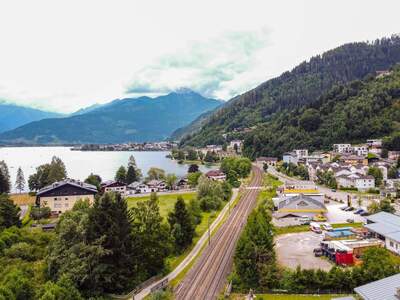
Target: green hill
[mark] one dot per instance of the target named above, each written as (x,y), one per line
(347,113)
(295,89)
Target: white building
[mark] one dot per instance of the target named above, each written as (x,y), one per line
(386,227)
(301,153)
(359,181)
(360,150)
(290,157)
(342,148)
(235,144)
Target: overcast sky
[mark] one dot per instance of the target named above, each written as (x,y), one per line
(65,55)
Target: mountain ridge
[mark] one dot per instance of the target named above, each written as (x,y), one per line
(293,89)
(122,120)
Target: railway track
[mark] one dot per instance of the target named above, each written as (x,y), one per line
(207,277)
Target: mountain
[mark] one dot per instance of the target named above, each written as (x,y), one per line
(13,116)
(349,113)
(295,89)
(86,109)
(141,119)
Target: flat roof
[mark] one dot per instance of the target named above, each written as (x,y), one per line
(384,289)
(384,217)
(382,229)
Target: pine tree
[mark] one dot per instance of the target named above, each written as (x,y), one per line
(181,223)
(110,222)
(5,184)
(151,238)
(121,174)
(9,212)
(131,175)
(20,180)
(254,258)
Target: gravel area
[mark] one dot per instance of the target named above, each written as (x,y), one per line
(295,249)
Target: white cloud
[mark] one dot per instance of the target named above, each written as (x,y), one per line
(62,55)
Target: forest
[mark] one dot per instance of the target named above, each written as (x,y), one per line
(306,85)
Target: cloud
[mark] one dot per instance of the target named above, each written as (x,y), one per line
(204,66)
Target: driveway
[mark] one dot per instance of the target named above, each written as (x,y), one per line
(296,249)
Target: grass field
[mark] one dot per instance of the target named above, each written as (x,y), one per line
(166,202)
(288,297)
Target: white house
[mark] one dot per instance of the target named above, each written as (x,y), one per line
(157,185)
(360,150)
(290,157)
(114,186)
(138,188)
(301,153)
(235,144)
(342,148)
(216,175)
(359,181)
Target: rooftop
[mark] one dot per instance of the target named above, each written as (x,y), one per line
(384,289)
(68,181)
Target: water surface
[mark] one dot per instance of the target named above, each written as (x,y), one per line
(80,164)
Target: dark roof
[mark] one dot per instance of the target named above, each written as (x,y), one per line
(112,183)
(78,184)
(384,289)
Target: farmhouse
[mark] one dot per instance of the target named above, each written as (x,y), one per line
(113,186)
(61,196)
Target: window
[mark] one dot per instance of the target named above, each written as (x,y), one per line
(391,244)
(66,198)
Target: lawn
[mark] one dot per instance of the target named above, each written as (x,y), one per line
(303,228)
(270,183)
(289,297)
(166,202)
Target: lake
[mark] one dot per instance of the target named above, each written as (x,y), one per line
(80,164)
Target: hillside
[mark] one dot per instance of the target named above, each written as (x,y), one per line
(13,116)
(347,113)
(139,120)
(301,86)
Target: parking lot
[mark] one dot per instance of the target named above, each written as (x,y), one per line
(295,249)
(336,215)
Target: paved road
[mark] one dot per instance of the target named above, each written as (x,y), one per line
(195,251)
(208,276)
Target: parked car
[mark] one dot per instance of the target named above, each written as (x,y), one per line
(349,208)
(359,211)
(333,190)
(319,218)
(350,220)
(304,220)
(315,227)
(317,252)
(364,213)
(326,226)
(344,207)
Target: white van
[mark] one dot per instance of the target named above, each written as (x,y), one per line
(315,227)
(327,226)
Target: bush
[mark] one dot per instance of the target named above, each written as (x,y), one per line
(40,212)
